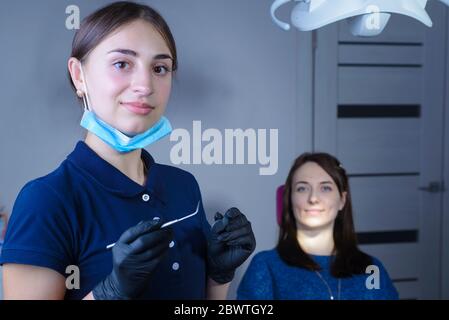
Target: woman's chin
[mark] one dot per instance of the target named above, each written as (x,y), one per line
(315,223)
(133,126)
(133,129)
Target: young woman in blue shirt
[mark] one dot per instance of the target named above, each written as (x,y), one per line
(317,256)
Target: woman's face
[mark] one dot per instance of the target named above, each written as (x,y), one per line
(315,198)
(128,77)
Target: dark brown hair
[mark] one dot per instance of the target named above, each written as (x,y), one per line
(348,259)
(98,25)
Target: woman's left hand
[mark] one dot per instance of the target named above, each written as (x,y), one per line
(231,242)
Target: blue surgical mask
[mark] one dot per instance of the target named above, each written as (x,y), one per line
(120,141)
(115,138)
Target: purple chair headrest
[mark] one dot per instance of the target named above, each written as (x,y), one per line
(279,197)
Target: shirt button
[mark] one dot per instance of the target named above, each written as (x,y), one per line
(145,197)
(172,244)
(175,266)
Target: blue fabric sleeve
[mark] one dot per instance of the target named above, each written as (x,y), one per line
(257,282)
(39,232)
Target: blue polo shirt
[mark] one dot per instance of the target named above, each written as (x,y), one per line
(69,216)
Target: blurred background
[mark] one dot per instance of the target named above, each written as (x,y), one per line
(380,104)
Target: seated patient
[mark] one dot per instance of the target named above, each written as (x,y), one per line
(317,255)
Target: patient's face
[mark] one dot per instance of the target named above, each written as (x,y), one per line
(315,198)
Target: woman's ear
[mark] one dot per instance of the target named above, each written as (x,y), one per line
(74,66)
(343,200)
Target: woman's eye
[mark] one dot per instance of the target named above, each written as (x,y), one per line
(326,188)
(301,189)
(121,65)
(161,70)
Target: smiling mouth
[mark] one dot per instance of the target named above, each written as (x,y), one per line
(138,107)
(314,211)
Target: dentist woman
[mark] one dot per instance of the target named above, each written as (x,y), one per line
(103,211)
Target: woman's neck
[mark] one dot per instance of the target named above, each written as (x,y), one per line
(319,242)
(130,163)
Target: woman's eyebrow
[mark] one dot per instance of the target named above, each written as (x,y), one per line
(133,53)
(305,182)
(162,56)
(124,51)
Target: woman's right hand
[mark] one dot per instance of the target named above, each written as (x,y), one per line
(135,256)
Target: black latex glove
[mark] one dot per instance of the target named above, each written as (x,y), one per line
(231,243)
(134,256)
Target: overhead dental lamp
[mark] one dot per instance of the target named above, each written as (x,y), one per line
(366,18)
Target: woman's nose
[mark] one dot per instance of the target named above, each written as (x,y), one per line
(313,197)
(143,83)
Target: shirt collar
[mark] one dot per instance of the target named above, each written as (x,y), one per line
(113,179)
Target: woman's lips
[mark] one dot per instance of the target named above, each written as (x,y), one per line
(138,107)
(314,211)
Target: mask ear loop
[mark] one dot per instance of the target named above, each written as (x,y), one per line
(85,105)
(86,95)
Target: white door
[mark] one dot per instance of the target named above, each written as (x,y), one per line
(379,107)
